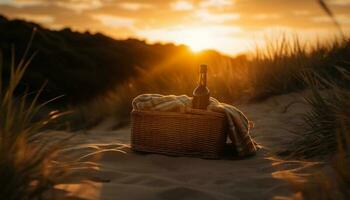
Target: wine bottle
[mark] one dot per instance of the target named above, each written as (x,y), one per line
(201,92)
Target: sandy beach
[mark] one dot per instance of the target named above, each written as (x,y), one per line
(72,71)
(133,175)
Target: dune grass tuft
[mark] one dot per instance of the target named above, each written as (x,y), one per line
(332,180)
(330,105)
(31,162)
(325,132)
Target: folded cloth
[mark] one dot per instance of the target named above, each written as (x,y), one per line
(239,125)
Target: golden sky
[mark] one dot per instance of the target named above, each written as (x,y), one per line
(229,26)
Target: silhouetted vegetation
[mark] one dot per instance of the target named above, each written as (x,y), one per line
(101,76)
(106,73)
(326,124)
(277,70)
(326,131)
(31,162)
(79,65)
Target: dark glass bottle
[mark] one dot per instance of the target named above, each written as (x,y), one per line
(201,93)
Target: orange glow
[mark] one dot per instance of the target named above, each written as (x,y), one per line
(197,40)
(228,26)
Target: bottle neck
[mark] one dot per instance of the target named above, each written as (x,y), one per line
(203,79)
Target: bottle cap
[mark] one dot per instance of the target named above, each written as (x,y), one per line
(203,68)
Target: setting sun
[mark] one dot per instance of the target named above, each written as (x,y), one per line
(197,39)
(174,99)
(200,37)
(227,26)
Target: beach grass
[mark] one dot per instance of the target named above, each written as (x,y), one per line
(331,181)
(277,69)
(32,163)
(325,136)
(329,103)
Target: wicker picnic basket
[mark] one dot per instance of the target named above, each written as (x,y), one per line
(196,133)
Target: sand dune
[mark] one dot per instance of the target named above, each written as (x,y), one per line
(150,176)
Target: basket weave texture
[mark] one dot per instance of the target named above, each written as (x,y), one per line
(196,133)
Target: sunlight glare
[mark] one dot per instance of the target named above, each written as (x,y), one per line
(196,39)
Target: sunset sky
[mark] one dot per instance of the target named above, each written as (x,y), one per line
(229,26)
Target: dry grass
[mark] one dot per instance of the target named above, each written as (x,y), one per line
(326,131)
(332,181)
(329,110)
(31,162)
(264,73)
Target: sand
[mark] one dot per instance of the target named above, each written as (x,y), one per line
(132,175)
